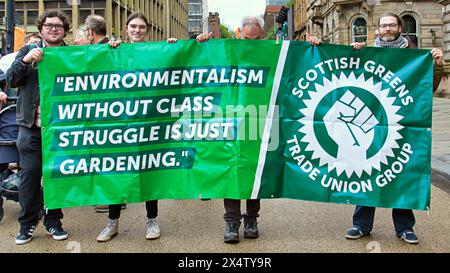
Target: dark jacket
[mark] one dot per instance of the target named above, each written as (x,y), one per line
(104,41)
(25,77)
(437,76)
(438,71)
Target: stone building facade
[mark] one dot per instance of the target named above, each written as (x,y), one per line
(446,31)
(347,21)
(167,18)
(426,22)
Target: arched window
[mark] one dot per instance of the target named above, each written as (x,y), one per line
(359,30)
(410,28)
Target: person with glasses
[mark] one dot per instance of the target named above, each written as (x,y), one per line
(23,74)
(390,27)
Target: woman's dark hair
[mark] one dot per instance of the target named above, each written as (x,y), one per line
(50,14)
(138,15)
(391,14)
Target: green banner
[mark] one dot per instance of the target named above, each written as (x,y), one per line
(236,119)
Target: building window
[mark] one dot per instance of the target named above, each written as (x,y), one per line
(98,4)
(359,30)
(65,4)
(410,29)
(51,5)
(101,12)
(32,16)
(32,5)
(84,13)
(19,18)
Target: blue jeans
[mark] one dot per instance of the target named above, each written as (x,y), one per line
(364,216)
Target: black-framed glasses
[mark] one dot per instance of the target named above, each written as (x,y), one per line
(51,26)
(384,26)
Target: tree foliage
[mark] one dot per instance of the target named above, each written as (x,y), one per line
(226,33)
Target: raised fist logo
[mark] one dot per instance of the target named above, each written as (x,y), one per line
(350,124)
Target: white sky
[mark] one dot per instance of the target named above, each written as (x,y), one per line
(232,11)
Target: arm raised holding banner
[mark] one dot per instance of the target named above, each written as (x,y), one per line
(137,27)
(389,31)
(23,74)
(390,37)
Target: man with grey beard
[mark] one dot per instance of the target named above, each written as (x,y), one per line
(390,27)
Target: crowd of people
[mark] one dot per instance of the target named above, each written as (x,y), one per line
(23,74)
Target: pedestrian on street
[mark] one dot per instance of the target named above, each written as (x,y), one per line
(23,74)
(390,27)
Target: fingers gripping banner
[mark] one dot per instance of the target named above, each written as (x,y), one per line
(236,119)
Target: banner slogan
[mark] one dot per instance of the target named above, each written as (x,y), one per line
(236,119)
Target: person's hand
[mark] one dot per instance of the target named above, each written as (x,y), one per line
(313,40)
(204,37)
(33,55)
(358,46)
(3,97)
(437,56)
(172,40)
(115,43)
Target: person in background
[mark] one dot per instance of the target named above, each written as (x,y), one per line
(95,32)
(7,60)
(95,27)
(81,37)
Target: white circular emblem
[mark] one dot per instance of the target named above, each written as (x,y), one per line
(351,125)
